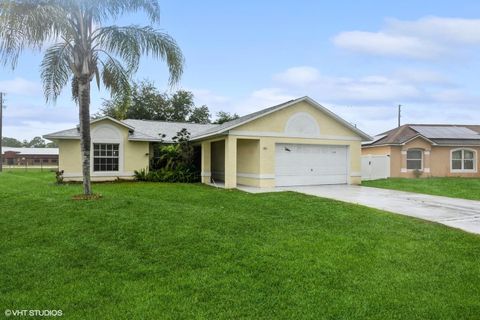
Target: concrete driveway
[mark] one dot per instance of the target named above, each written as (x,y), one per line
(457,213)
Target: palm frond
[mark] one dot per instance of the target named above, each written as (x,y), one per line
(29,24)
(115,78)
(131,42)
(111,9)
(55,69)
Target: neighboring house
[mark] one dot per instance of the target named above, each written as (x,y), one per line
(298,142)
(30,156)
(433,149)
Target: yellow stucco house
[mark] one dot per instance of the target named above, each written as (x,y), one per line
(298,142)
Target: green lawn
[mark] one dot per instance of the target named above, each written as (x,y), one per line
(466,188)
(165,251)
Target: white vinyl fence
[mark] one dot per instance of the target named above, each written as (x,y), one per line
(375,167)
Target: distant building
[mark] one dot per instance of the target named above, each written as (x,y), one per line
(30,156)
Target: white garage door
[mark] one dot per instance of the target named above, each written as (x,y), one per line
(308,164)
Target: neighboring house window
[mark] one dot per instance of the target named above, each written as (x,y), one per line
(105,157)
(463,160)
(414,159)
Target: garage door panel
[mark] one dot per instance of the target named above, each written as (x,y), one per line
(302,164)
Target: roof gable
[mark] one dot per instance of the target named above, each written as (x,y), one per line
(222,129)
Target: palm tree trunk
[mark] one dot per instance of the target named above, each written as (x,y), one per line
(85,140)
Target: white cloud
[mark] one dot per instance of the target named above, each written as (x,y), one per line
(425,38)
(380,43)
(204,96)
(373,88)
(298,76)
(20,86)
(452,30)
(420,76)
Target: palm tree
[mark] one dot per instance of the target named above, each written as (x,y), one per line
(84,49)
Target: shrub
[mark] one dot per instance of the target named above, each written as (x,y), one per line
(59,176)
(183,175)
(417,173)
(172,162)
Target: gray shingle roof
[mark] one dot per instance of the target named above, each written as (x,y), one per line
(64,134)
(143,130)
(147,130)
(153,130)
(31,151)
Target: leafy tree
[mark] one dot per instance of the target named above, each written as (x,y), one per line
(180,106)
(84,49)
(11,142)
(36,142)
(200,115)
(146,102)
(223,117)
(51,145)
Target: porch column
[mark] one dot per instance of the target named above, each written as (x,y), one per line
(403,166)
(206,162)
(427,163)
(230,162)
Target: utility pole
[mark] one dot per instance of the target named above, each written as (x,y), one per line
(399,114)
(1,125)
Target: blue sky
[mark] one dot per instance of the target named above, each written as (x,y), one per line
(358,58)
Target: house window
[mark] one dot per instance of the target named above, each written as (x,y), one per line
(463,160)
(105,157)
(414,159)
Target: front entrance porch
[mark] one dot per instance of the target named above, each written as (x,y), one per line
(231,161)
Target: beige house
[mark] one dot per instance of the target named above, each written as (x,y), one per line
(298,142)
(433,150)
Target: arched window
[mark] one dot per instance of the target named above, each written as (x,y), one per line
(463,160)
(415,159)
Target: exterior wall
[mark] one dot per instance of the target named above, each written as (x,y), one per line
(247,154)
(436,159)
(218,160)
(254,164)
(248,162)
(274,128)
(69,157)
(376,151)
(133,155)
(266,177)
(440,164)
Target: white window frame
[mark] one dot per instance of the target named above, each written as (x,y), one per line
(421,159)
(117,157)
(475,160)
(114,136)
